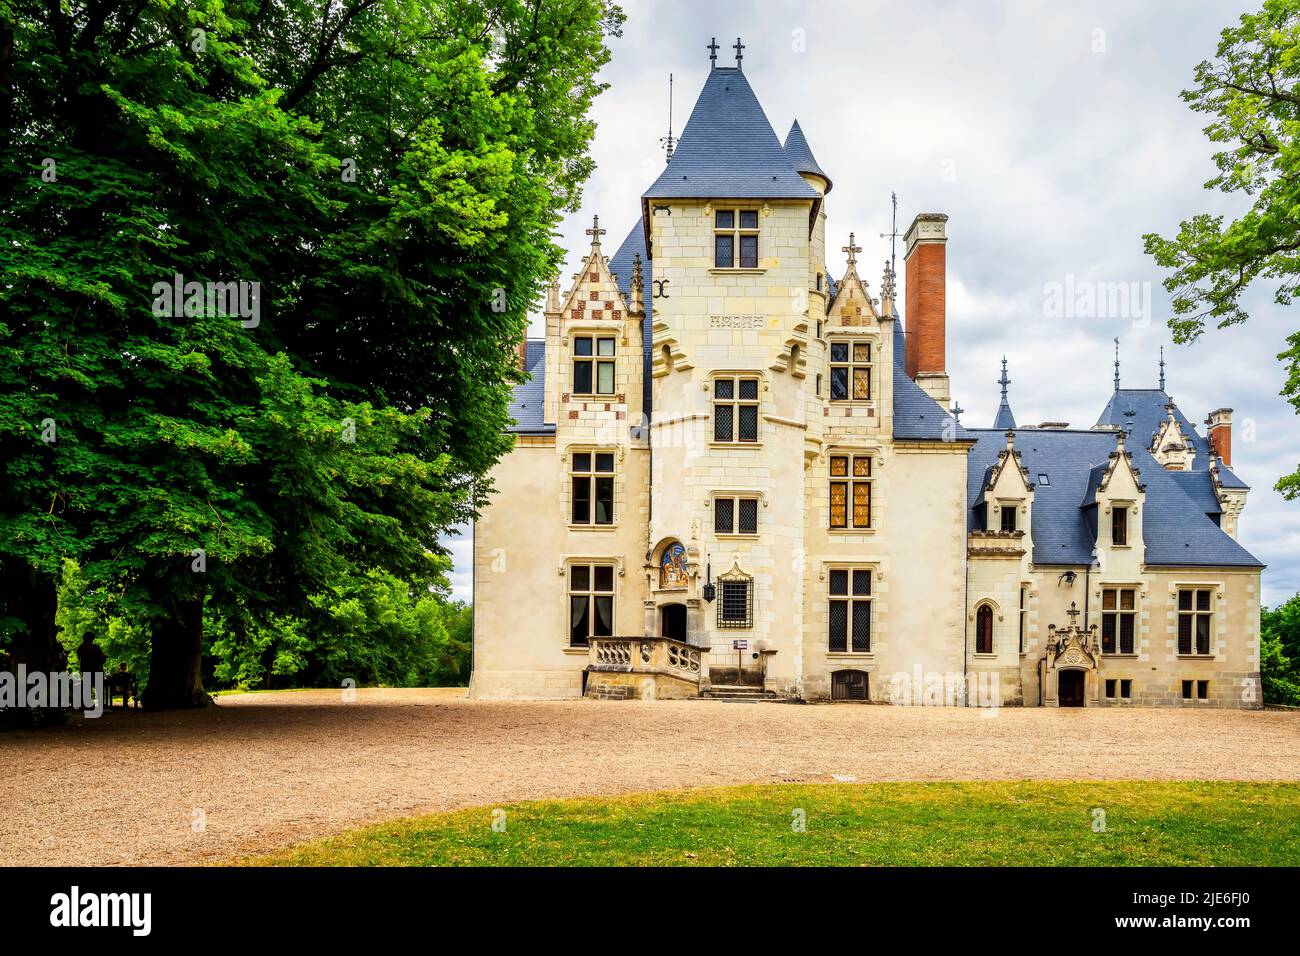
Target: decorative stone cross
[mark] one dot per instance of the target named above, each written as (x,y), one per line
(1073,612)
(957,410)
(595,231)
(852,250)
(713,51)
(738,47)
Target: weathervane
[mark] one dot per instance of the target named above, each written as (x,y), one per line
(1117,363)
(1162,368)
(892,235)
(669,141)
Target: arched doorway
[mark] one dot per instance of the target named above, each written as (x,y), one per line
(1069,688)
(672,621)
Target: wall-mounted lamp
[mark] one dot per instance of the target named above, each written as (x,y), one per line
(1068,577)
(710,592)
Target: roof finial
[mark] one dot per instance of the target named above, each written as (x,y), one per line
(739,48)
(852,250)
(1117,363)
(1004,381)
(956,412)
(1162,368)
(669,141)
(713,53)
(637,303)
(887,290)
(595,232)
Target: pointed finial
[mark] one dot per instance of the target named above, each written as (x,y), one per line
(553,296)
(1117,363)
(595,232)
(1162,368)
(713,53)
(887,290)
(739,48)
(852,250)
(1004,381)
(636,302)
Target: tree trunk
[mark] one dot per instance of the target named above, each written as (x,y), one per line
(175,662)
(32,598)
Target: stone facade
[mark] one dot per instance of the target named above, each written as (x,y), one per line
(774,523)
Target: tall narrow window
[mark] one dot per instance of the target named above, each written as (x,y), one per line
(1024,600)
(984,630)
(1194,620)
(591,602)
(850,371)
(850,491)
(593,365)
(735,238)
(1008,517)
(850,610)
(593,488)
(735,409)
(1118,616)
(1119,526)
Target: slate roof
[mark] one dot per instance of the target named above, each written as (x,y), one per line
(621,265)
(1175,525)
(526,408)
(917,416)
(801,155)
(1004,419)
(1148,407)
(728,149)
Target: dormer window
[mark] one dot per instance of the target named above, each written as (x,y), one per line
(593,365)
(850,371)
(1119,526)
(735,238)
(1008,517)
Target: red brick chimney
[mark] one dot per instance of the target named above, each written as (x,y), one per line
(1220,426)
(926,257)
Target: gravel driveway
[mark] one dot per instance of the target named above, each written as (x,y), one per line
(264,770)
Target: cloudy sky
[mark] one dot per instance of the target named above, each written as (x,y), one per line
(1052,135)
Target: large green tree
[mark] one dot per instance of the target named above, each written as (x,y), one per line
(1251,93)
(389,172)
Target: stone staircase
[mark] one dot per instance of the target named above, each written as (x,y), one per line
(740,694)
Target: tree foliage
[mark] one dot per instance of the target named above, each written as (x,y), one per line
(388,172)
(1280,652)
(1251,94)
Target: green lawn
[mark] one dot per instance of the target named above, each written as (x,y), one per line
(892,824)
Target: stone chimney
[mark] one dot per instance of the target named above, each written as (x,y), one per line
(1220,426)
(925,317)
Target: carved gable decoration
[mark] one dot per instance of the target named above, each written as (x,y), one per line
(852,304)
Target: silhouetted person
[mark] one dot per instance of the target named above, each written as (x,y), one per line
(121,682)
(90,657)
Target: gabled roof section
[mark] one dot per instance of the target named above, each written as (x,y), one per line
(596,277)
(1175,527)
(851,303)
(729,150)
(801,155)
(1148,408)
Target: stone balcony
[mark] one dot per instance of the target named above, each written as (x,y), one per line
(644,668)
(995,544)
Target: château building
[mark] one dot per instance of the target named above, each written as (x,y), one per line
(735,474)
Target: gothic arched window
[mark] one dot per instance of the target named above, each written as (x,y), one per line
(984,630)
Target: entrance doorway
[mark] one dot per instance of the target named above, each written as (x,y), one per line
(672,621)
(1069,688)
